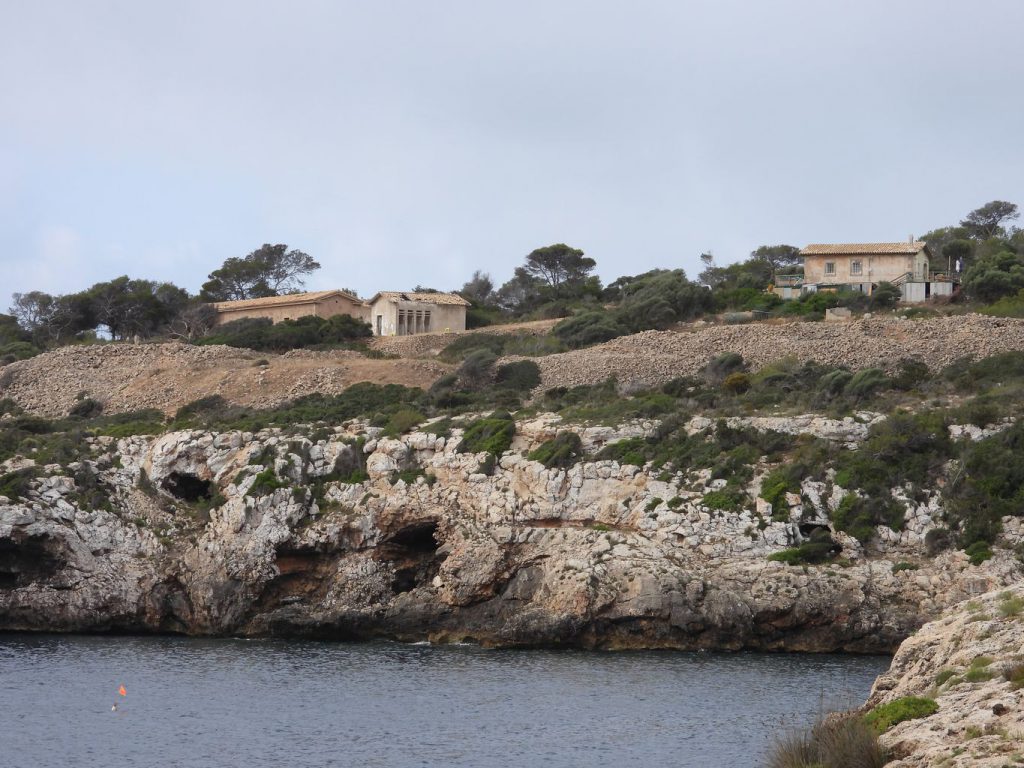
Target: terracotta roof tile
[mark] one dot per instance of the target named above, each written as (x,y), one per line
(856,249)
(275,301)
(427,298)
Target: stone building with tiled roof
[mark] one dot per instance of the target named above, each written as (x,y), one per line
(293,306)
(862,266)
(398,313)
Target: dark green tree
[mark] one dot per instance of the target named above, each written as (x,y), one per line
(993,276)
(560,267)
(780,258)
(271,270)
(987,221)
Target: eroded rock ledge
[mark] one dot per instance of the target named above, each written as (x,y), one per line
(259,534)
(971,663)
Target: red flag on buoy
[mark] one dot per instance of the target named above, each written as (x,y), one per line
(122,691)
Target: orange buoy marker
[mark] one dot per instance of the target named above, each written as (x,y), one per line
(122,691)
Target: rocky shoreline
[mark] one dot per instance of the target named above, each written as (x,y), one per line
(254,534)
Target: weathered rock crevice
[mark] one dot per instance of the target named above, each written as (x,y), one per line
(599,555)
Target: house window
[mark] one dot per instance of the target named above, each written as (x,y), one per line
(830,267)
(855,268)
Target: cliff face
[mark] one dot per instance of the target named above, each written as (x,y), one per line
(970,663)
(237,533)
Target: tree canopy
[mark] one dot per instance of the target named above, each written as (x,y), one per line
(559,266)
(270,270)
(987,221)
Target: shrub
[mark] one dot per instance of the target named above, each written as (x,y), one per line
(736,383)
(840,742)
(266,482)
(720,367)
(911,374)
(865,383)
(1010,605)
(522,375)
(588,329)
(819,548)
(904,566)
(86,408)
(203,408)
(885,716)
(562,451)
(859,516)
(728,499)
(492,434)
(978,552)
(402,421)
(476,370)
(304,332)
(465,345)
(15,485)
(1014,674)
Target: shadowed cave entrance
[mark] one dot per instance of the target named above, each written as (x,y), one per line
(27,559)
(412,551)
(187,487)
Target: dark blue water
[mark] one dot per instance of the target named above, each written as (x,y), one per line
(297,704)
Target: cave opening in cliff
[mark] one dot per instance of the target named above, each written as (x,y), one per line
(187,487)
(412,552)
(28,559)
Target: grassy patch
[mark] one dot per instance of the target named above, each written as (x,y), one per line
(561,452)
(884,717)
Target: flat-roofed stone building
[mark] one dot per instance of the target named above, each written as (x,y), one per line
(293,306)
(398,313)
(862,266)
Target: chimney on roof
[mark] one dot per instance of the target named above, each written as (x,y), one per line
(910,239)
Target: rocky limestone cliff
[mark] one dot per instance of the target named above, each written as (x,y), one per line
(971,663)
(260,534)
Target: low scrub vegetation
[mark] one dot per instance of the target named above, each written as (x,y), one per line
(885,716)
(560,452)
(339,331)
(837,742)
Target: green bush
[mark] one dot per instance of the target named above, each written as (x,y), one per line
(304,332)
(978,552)
(522,375)
(477,369)
(492,434)
(1008,306)
(15,485)
(588,329)
(719,368)
(403,420)
(859,516)
(819,548)
(885,716)
(736,383)
(865,383)
(266,482)
(561,452)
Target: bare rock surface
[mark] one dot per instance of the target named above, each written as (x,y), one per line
(600,555)
(962,661)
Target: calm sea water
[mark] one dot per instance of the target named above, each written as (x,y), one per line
(298,704)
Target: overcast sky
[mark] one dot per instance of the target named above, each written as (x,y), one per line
(413,142)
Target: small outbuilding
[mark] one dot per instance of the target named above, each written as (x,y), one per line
(404,313)
(293,306)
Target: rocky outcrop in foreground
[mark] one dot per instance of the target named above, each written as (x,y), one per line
(276,534)
(971,663)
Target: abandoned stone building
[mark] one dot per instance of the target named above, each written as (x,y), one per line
(397,313)
(862,266)
(293,306)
